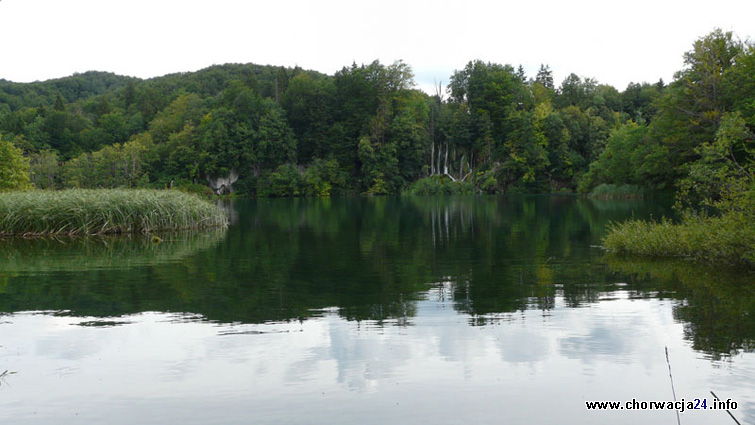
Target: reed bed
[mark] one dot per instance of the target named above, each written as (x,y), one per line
(729,238)
(104,211)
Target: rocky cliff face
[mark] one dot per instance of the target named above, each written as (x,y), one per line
(223,184)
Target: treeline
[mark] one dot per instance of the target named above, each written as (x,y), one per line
(274,131)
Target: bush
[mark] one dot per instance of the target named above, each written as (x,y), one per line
(14,168)
(194,188)
(439,185)
(729,238)
(117,165)
(486,181)
(104,211)
(612,191)
(319,179)
(45,169)
(285,181)
(726,238)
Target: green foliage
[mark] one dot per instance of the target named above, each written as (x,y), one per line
(45,169)
(639,100)
(611,191)
(729,238)
(378,161)
(14,167)
(185,109)
(285,181)
(194,188)
(691,109)
(622,160)
(322,177)
(70,89)
(308,102)
(486,182)
(87,212)
(721,180)
(439,185)
(575,91)
(378,187)
(526,158)
(118,165)
(725,166)
(269,124)
(319,179)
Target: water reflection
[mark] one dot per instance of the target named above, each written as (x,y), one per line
(331,370)
(37,256)
(410,310)
(374,259)
(714,304)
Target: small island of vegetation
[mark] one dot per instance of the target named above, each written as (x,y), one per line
(725,238)
(104,211)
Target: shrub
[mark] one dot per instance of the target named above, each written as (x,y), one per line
(318,179)
(14,168)
(439,185)
(729,238)
(194,188)
(612,191)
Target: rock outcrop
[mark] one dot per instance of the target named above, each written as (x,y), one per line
(222,185)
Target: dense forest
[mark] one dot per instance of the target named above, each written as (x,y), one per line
(275,131)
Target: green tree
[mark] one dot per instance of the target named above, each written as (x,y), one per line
(726,166)
(620,161)
(526,158)
(308,102)
(45,169)
(14,167)
(692,107)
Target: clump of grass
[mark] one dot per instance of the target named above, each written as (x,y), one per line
(729,238)
(612,191)
(104,211)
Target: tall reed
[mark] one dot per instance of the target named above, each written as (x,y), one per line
(729,238)
(104,211)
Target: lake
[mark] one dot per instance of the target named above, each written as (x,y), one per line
(447,310)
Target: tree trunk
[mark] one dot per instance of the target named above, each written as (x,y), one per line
(432,158)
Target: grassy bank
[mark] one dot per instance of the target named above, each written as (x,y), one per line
(728,239)
(104,211)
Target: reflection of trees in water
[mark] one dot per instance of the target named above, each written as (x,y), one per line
(229,207)
(372,259)
(715,304)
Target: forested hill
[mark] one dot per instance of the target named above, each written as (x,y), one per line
(275,131)
(70,89)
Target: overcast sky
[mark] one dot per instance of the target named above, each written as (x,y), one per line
(614,42)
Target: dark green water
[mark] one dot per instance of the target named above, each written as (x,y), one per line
(370,311)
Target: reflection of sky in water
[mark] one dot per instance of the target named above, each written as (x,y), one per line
(523,367)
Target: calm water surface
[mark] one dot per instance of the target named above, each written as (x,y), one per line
(370,311)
